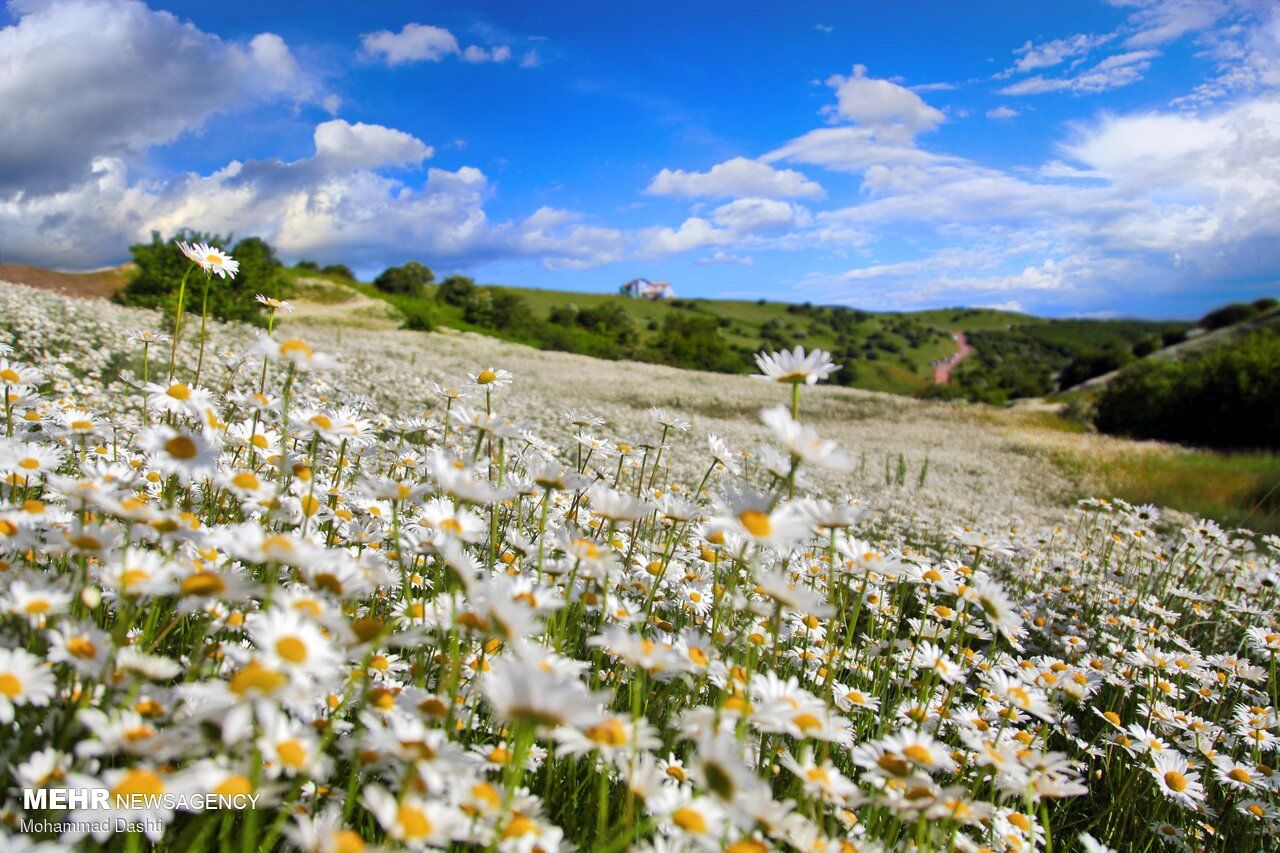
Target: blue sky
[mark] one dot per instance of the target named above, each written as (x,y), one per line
(1082,157)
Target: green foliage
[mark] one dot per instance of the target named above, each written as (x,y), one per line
(407,279)
(456,290)
(309,266)
(339,271)
(1226,397)
(693,341)
(1228,315)
(608,319)
(161,266)
(1090,364)
(1022,360)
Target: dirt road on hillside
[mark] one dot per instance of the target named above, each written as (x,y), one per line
(942,370)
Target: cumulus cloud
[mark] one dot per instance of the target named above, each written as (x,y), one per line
(334,205)
(427,43)
(735,178)
(82,80)
(414,43)
(882,105)
(1001,113)
(722,257)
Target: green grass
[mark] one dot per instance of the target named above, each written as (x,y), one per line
(881,351)
(1234,489)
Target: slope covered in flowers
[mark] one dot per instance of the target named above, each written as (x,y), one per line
(431,590)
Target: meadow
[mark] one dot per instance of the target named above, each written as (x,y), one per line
(440,590)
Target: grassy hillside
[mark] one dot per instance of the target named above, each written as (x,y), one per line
(881,351)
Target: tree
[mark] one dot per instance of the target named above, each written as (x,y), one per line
(161,266)
(406,280)
(1228,315)
(456,290)
(339,271)
(1222,397)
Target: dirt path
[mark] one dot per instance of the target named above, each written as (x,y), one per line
(942,370)
(86,285)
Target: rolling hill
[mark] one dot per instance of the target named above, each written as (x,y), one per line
(1015,355)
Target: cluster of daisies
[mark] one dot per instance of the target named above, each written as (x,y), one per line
(452,628)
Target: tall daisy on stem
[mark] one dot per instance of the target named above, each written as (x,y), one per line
(213,261)
(795,368)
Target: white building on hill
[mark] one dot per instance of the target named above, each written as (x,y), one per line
(642,288)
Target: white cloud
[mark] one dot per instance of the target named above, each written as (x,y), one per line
(531,59)
(758,215)
(332,206)
(414,43)
(1122,69)
(735,178)
(882,105)
(1161,21)
(426,43)
(722,257)
(89,79)
(342,146)
(851,149)
(475,54)
(1033,56)
(1001,113)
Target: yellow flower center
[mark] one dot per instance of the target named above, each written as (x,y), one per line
(917,753)
(10,685)
(486,377)
(690,820)
(181,447)
(137,782)
(610,732)
(413,822)
(82,647)
(292,752)
(234,785)
(296,346)
(179,391)
(756,522)
(203,583)
(1176,781)
(292,649)
(257,678)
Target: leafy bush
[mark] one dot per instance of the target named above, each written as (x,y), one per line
(1228,315)
(456,290)
(339,270)
(407,279)
(309,266)
(161,266)
(1224,397)
(1085,367)
(693,341)
(417,315)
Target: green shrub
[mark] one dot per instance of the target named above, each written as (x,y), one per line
(690,340)
(161,266)
(405,280)
(1085,367)
(456,290)
(1228,315)
(417,315)
(339,271)
(1227,397)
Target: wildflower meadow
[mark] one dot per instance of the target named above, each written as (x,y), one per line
(304,572)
